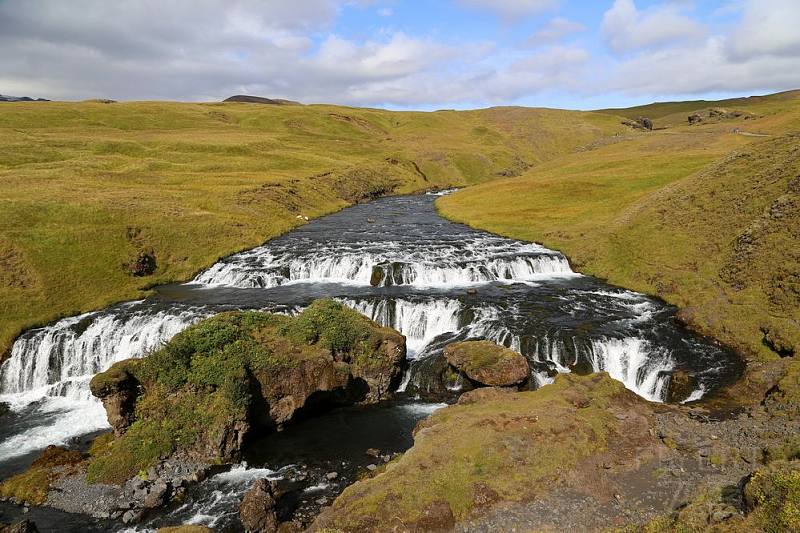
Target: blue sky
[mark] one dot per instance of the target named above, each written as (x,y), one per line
(401,54)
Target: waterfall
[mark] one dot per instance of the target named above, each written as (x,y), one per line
(420,322)
(48,373)
(58,360)
(643,368)
(382,264)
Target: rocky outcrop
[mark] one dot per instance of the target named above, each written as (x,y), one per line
(681,385)
(641,123)
(237,372)
(487,363)
(257,511)
(143,265)
(118,389)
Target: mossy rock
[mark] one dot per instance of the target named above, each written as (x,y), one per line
(205,390)
(681,386)
(488,363)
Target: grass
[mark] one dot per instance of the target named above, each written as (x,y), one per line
(702,217)
(87,186)
(514,448)
(33,485)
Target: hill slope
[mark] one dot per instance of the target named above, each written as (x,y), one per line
(88,187)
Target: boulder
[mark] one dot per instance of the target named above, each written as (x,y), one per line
(4,409)
(157,495)
(257,511)
(488,363)
(695,118)
(118,389)
(143,265)
(681,385)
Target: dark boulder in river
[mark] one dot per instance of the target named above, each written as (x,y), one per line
(257,511)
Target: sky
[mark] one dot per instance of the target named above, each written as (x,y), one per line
(437,54)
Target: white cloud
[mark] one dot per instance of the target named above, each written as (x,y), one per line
(511,9)
(628,29)
(768,28)
(555,30)
(761,52)
(385,12)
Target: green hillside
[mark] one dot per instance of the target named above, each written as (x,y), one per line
(88,186)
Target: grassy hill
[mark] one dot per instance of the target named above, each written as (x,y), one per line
(88,186)
(706,217)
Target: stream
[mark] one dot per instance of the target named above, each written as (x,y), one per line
(401,264)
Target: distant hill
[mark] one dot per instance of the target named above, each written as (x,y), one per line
(661,109)
(6,98)
(259,100)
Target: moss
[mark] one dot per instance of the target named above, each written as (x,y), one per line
(33,485)
(775,493)
(516,446)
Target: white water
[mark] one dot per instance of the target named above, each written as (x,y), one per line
(427,265)
(50,368)
(640,366)
(420,322)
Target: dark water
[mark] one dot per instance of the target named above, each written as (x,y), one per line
(398,262)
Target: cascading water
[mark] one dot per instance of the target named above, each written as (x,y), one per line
(396,261)
(49,370)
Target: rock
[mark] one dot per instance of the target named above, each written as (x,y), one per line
(257,511)
(372,467)
(373,452)
(330,476)
(681,385)
(157,495)
(641,123)
(485,394)
(131,516)
(483,495)
(695,118)
(4,409)
(438,516)
(118,389)
(23,526)
(488,363)
(143,265)
(472,291)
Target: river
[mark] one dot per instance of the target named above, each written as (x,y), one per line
(398,262)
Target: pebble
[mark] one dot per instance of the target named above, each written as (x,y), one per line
(372,467)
